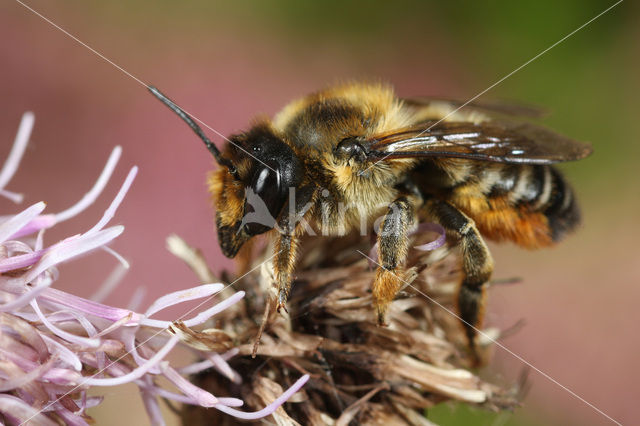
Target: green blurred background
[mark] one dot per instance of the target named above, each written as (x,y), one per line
(225,62)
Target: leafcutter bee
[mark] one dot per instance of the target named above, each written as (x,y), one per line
(478,171)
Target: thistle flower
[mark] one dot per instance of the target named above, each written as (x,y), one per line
(54,346)
(359,373)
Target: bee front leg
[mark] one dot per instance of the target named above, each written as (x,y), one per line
(393,244)
(283,266)
(290,226)
(477,266)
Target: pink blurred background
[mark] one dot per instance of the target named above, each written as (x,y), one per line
(226,63)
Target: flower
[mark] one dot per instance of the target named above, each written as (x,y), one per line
(359,372)
(54,346)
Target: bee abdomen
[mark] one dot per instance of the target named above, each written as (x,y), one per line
(543,190)
(560,206)
(531,205)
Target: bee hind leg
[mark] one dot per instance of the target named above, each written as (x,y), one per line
(393,244)
(477,266)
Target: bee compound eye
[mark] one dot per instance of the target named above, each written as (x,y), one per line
(265,181)
(265,202)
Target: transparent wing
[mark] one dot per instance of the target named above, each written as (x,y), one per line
(503,142)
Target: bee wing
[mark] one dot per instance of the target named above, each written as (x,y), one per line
(502,142)
(488,107)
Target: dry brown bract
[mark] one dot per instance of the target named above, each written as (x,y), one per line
(360,373)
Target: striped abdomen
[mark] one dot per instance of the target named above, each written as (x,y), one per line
(530,205)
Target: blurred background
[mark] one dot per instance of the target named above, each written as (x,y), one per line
(226,62)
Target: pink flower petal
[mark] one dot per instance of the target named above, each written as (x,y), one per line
(151,404)
(219,307)
(163,393)
(180,296)
(110,284)
(27,377)
(131,346)
(90,307)
(438,242)
(13,196)
(224,368)
(231,402)
(62,352)
(97,188)
(15,247)
(28,334)
(126,320)
(21,412)
(269,409)
(138,372)
(200,317)
(197,367)
(136,298)
(19,146)
(88,402)
(117,255)
(111,210)
(24,299)
(69,418)
(201,396)
(63,376)
(17,222)
(44,221)
(72,248)
(84,341)
(21,261)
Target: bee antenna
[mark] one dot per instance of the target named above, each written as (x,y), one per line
(194,126)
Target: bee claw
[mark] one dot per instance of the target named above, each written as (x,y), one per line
(282,302)
(381,319)
(282,307)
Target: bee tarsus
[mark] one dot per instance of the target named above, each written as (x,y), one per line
(393,245)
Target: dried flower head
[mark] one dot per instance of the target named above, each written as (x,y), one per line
(54,346)
(360,373)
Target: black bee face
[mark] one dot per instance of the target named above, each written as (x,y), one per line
(250,201)
(251,187)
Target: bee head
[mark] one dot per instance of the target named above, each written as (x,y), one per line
(251,195)
(251,187)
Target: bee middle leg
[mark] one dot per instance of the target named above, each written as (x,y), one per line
(477,266)
(393,244)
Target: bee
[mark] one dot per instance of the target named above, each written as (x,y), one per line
(478,172)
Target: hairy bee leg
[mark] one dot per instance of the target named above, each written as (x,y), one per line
(290,227)
(283,265)
(393,244)
(477,266)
